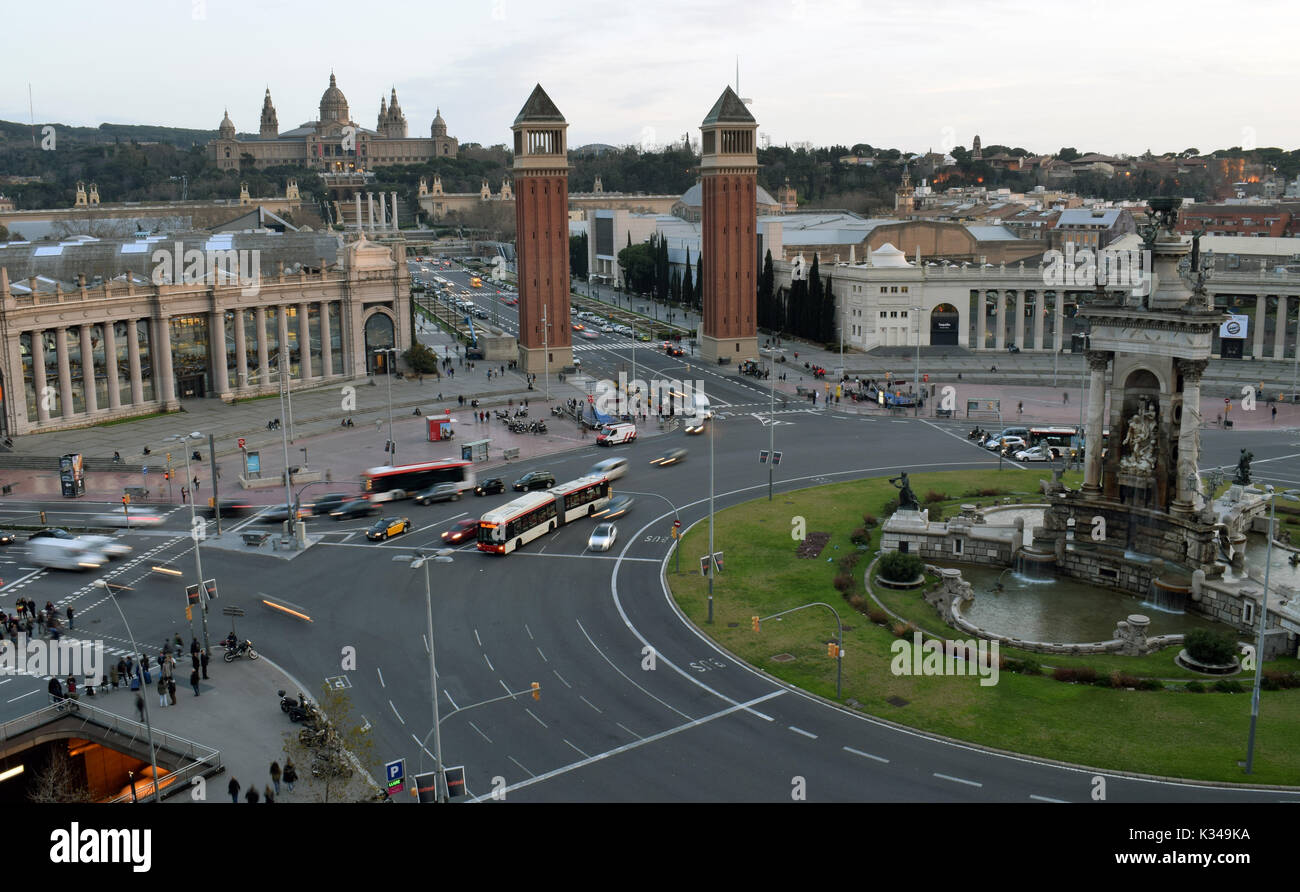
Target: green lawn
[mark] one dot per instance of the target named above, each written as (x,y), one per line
(1166,733)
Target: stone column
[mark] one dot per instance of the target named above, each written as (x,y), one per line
(358,198)
(1097,362)
(110,366)
(326,349)
(282,318)
(1039,319)
(370,208)
(1279,337)
(241,352)
(263,359)
(1058,321)
(88,371)
(164,381)
(217,338)
(394,197)
(1189,449)
(383,212)
(981,319)
(1000,337)
(65,372)
(304,340)
(1020,319)
(133,361)
(1261,311)
(38,377)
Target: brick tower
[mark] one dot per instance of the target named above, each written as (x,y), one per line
(541,187)
(729,182)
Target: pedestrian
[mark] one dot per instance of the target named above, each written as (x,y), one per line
(139,705)
(179,644)
(194,661)
(203,662)
(112,677)
(1274,419)
(56,690)
(171,690)
(144,667)
(1065,398)
(69,617)
(1020,408)
(275,775)
(40,623)
(267,796)
(194,680)
(165,666)
(233,789)
(290,774)
(251,796)
(194,645)
(196,485)
(184,495)
(162,692)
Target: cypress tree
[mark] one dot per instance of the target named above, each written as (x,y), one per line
(766,282)
(688,286)
(831,318)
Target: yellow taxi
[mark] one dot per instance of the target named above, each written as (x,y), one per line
(388,526)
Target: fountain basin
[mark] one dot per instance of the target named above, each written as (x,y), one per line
(1184,660)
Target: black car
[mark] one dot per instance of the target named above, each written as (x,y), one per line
(6,538)
(328,502)
(439,492)
(490,486)
(51,533)
(355,508)
(535,480)
(230,508)
(276,514)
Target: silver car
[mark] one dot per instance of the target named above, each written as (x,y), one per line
(603,537)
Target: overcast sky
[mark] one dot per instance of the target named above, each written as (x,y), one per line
(1102,75)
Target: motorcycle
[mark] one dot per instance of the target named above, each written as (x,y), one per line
(502,415)
(238,650)
(298,710)
(978,434)
(556,410)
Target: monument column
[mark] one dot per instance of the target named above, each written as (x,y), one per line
(1097,363)
(110,367)
(1020,319)
(1189,444)
(326,348)
(358,198)
(38,376)
(65,371)
(133,361)
(304,341)
(263,357)
(981,319)
(220,367)
(241,352)
(88,371)
(1279,336)
(164,381)
(1058,320)
(1039,317)
(1000,336)
(1261,314)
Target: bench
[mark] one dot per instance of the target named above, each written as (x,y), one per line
(255,539)
(510,454)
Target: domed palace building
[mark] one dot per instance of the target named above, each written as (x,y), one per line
(333,142)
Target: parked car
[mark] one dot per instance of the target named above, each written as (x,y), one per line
(535,480)
(439,492)
(389,526)
(463,531)
(355,508)
(670,457)
(603,537)
(490,486)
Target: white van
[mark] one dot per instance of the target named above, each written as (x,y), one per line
(611,468)
(614,434)
(65,554)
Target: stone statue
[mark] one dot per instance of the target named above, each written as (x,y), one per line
(906,498)
(1139,443)
(1243,468)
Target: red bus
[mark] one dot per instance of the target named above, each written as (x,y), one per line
(403,481)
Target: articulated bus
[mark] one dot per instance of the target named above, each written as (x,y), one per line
(1060,437)
(515,523)
(404,481)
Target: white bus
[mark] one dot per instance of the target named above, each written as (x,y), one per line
(582,497)
(522,520)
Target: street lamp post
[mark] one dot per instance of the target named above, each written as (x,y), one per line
(711,564)
(440,781)
(916,382)
(390,447)
(148,725)
(194,532)
(1292,495)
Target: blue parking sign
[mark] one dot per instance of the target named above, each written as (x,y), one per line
(395,775)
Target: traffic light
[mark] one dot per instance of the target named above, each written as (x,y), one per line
(167,475)
(832,649)
(537,691)
(756,622)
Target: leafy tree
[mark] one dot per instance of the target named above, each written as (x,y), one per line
(1068,153)
(350,740)
(578,255)
(898,567)
(421,360)
(831,321)
(688,284)
(813,305)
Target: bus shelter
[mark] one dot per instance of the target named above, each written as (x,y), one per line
(475,451)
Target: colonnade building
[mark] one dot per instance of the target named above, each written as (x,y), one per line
(73,355)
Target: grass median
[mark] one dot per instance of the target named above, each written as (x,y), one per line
(1175,733)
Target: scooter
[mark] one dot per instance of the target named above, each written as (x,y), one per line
(299,710)
(977,434)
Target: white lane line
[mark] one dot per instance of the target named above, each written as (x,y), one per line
(535,718)
(802,731)
(642,741)
(589,703)
(478,639)
(625,675)
(521,766)
(426,642)
(580,752)
(560,677)
(489,662)
(396,713)
(629,730)
(1044,798)
(449,700)
(850,749)
(480,733)
(543,656)
(958,780)
(381,677)
(592,557)
(28,694)
(530,632)
(504,685)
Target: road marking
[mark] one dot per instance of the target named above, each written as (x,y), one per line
(535,718)
(802,731)
(594,557)
(489,662)
(580,752)
(589,703)
(557,675)
(642,741)
(958,780)
(629,730)
(504,685)
(396,713)
(381,677)
(452,702)
(478,639)
(544,660)
(866,755)
(520,764)
(625,675)
(480,733)
(530,632)
(28,694)
(1044,798)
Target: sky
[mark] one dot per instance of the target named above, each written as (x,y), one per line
(1098,75)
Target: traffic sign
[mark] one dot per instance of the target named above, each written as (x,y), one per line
(762,456)
(455,777)
(425,787)
(395,776)
(776,458)
(241,442)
